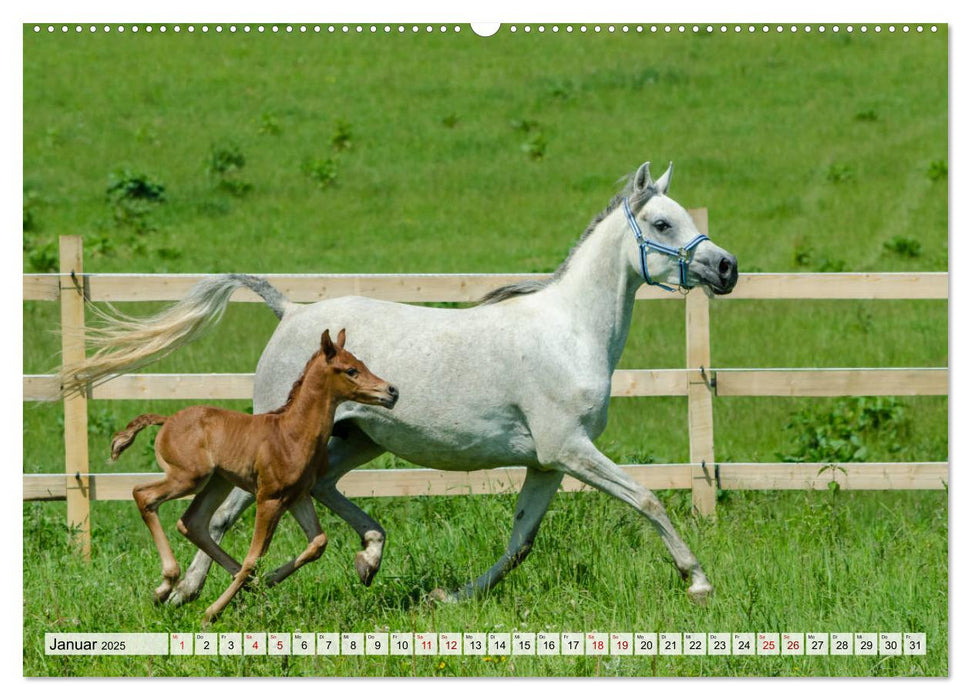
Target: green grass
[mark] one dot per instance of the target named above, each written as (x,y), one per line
(779,562)
(812,152)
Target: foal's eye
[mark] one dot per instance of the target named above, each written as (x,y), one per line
(661,225)
(351,372)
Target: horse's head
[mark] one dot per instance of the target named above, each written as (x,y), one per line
(666,247)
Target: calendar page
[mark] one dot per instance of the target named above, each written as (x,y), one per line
(654,316)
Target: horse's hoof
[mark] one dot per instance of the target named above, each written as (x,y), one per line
(699,593)
(365,569)
(440,595)
(181,596)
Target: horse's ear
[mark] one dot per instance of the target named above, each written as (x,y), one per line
(340,338)
(642,179)
(665,180)
(327,345)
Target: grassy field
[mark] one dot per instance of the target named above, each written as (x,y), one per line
(453,153)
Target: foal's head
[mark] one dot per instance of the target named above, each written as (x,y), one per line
(351,380)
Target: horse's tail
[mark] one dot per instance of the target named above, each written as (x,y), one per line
(125,343)
(124,438)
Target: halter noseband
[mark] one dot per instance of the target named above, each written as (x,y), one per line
(683,255)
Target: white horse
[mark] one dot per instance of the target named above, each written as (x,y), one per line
(523,378)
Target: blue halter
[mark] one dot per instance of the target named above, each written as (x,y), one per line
(683,255)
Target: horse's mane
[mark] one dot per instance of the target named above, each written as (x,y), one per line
(517,289)
(295,389)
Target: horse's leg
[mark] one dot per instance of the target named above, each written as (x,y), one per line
(584,461)
(304,513)
(194,523)
(148,498)
(195,576)
(538,490)
(268,514)
(353,449)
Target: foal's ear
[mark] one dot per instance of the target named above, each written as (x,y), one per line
(340,338)
(327,345)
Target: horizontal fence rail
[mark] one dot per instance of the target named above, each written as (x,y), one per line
(697,381)
(362,483)
(922,381)
(470,287)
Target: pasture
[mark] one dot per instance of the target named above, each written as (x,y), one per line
(349,153)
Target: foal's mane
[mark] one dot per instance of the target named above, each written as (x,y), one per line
(532,286)
(295,389)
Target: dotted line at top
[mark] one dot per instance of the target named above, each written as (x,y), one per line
(513,29)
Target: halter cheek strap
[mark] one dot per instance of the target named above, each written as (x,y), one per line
(683,255)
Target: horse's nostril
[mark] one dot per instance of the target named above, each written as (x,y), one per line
(393,391)
(725,267)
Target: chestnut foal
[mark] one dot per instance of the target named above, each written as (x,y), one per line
(207,451)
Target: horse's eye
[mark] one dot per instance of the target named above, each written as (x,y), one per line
(351,372)
(661,225)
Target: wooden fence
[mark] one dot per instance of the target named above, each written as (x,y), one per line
(698,381)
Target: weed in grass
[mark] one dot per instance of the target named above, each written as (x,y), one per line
(41,256)
(535,145)
(323,171)
(866,115)
(903,246)
(524,125)
(450,121)
(804,255)
(864,319)
(269,124)
(828,264)
(838,173)
(31,204)
(134,196)
(168,252)
(937,171)
(147,134)
(841,433)
(224,165)
(99,245)
(102,422)
(341,138)
(560,88)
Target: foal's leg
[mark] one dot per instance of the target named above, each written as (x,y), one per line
(352,449)
(585,462)
(194,523)
(148,498)
(534,499)
(304,513)
(195,576)
(268,514)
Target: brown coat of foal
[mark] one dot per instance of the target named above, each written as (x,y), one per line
(207,451)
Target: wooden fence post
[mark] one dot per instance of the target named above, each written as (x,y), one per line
(701,431)
(72,291)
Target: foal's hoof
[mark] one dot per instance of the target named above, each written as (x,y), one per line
(162,593)
(440,595)
(365,569)
(699,593)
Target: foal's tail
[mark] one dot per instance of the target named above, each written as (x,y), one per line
(124,438)
(125,343)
